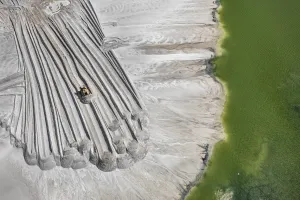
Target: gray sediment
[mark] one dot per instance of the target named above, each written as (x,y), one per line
(62,51)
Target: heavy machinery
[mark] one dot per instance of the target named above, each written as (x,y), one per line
(85,95)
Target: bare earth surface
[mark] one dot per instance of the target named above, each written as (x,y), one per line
(164,47)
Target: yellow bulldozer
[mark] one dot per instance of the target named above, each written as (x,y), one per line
(85,95)
(84,91)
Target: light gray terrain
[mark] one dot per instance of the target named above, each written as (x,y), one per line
(58,53)
(164,47)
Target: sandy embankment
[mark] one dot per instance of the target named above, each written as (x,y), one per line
(164,46)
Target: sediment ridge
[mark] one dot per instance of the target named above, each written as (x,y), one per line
(60,50)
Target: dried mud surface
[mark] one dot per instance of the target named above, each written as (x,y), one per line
(164,47)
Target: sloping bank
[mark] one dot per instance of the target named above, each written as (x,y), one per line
(260,67)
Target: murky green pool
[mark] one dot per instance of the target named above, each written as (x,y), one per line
(260,159)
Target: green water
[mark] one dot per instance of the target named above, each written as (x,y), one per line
(260,159)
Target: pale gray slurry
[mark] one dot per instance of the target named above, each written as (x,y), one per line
(140,59)
(59,58)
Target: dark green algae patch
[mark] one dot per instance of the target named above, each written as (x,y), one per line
(260,68)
